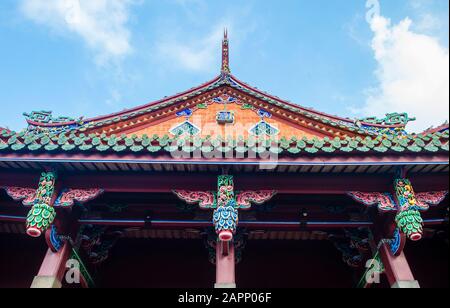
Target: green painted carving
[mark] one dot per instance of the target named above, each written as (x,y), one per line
(202,106)
(246,107)
(46,117)
(390,119)
(408,219)
(410,223)
(74,142)
(42,214)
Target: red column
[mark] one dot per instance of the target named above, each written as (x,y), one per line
(397,269)
(52,269)
(225,266)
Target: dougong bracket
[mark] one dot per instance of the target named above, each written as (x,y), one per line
(225,204)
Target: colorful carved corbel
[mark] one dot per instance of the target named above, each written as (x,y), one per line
(225,204)
(408,218)
(407,204)
(42,214)
(226,214)
(205,199)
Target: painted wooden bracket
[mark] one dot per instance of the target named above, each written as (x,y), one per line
(67,198)
(225,203)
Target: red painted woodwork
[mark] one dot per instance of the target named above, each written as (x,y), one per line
(286,184)
(166,158)
(425,199)
(397,268)
(384,202)
(54,264)
(69,196)
(245,199)
(26,195)
(225,264)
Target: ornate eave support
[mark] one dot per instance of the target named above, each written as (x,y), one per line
(408,218)
(42,214)
(45,200)
(406,205)
(225,204)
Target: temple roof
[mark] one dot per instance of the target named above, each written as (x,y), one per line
(114,133)
(439,129)
(362,127)
(81,143)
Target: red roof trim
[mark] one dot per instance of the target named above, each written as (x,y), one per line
(323,114)
(155,102)
(434,130)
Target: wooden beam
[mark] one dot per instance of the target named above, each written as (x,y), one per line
(225,266)
(52,269)
(397,269)
(167,158)
(282,183)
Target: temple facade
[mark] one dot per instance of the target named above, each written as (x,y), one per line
(223,186)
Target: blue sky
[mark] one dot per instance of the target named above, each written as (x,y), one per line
(93,57)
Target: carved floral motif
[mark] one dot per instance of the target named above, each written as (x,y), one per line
(384,201)
(69,196)
(225,204)
(246,198)
(205,199)
(26,195)
(425,199)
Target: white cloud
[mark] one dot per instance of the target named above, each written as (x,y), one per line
(198,55)
(412,73)
(102,24)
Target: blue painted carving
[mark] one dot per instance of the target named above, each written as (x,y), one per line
(395,243)
(226,218)
(185,113)
(264,114)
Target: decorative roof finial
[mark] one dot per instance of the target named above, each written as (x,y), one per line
(225,54)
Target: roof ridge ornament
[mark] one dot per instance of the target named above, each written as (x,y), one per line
(225,54)
(401,119)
